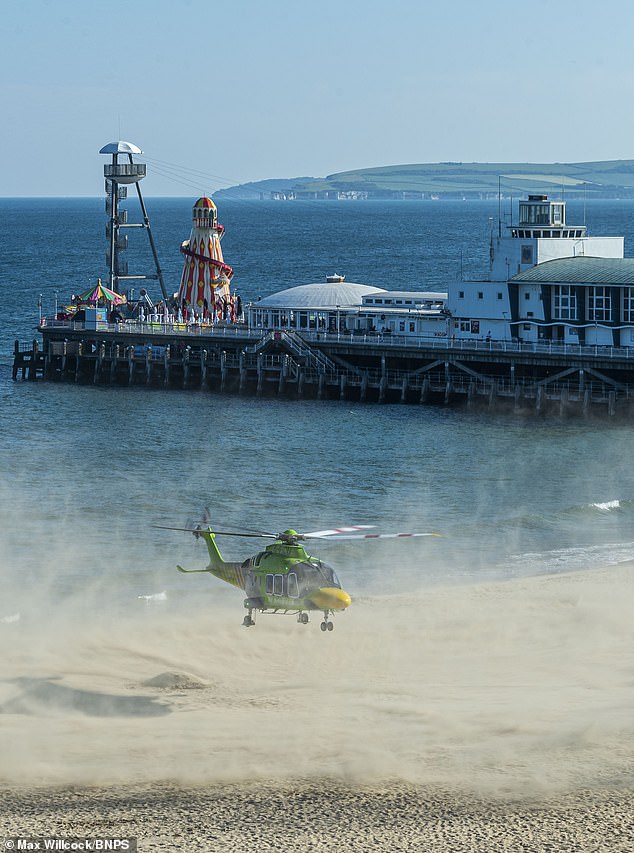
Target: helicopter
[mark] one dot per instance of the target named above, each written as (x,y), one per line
(284,578)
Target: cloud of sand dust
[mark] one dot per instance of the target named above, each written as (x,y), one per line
(525,685)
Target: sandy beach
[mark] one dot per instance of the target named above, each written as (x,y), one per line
(326,816)
(489,717)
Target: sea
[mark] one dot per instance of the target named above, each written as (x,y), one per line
(90,473)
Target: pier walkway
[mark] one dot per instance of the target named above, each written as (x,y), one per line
(229,358)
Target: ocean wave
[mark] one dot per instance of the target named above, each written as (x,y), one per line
(571,559)
(607,505)
(157,596)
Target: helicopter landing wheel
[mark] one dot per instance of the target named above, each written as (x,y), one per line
(248,620)
(302,618)
(326,625)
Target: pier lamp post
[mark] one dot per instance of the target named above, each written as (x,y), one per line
(56,294)
(39,305)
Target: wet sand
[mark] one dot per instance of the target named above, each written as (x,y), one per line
(499,719)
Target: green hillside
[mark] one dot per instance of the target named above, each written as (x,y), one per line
(603,178)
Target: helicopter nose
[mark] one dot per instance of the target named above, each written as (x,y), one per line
(331,598)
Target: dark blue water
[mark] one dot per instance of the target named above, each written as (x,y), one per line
(87,471)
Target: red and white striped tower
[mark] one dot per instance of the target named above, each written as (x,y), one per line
(204,284)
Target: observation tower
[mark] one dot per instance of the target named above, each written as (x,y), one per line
(205,280)
(118,175)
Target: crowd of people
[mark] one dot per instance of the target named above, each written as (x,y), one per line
(175,311)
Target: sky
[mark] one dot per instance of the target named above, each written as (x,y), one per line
(223,93)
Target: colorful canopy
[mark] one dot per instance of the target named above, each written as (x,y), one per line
(94,294)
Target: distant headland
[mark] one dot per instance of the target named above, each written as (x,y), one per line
(597,179)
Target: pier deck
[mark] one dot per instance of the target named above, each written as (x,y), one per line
(234,359)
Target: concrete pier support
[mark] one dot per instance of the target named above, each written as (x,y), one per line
(223,370)
(166,365)
(539,398)
(364,387)
(101,354)
(203,368)
(243,375)
(130,363)
(78,357)
(113,363)
(563,401)
(31,373)
(321,385)
(186,354)
(586,402)
(612,403)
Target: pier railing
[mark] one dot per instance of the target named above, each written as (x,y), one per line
(355,340)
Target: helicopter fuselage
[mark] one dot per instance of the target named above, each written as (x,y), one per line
(281,578)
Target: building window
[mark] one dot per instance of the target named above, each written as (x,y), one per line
(527,255)
(412,327)
(564,302)
(628,304)
(480,295)
(461,294)
(599,304)
(527,295)
(499,296)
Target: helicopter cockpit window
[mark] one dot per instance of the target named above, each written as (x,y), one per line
(278,584)
(293,587)
(269,584)
(315,574)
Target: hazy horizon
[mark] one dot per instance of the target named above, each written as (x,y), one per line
(305,89)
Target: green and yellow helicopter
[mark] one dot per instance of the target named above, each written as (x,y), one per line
(283,578)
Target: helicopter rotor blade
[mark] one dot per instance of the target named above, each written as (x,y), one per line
(200,529)
(335,531)
(383,536)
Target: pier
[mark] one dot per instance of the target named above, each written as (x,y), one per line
(550,331)
(540,378)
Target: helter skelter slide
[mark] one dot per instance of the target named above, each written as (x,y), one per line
(205,283)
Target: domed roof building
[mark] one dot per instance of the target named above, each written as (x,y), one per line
(335,292)
(320,305)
